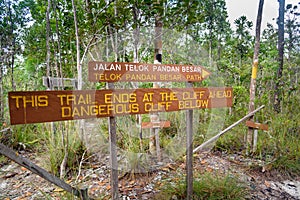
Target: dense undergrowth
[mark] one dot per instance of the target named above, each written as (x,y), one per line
(279,146)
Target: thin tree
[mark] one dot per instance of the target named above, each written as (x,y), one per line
(254,71)
(278,82)
(13,45)
(48,43)
(112,128)
(154,117)
(1,93)
(136,39)
(79,68)
(59,68)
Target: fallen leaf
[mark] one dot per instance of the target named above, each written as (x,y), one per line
(93,189)
(23,169)
(166,169)
(182,166)
(132,182)
(266,167)
(268,184)
(58,190)
(69,181)
(209,169)
(28,194)
(101,183)
(145,192)
(17,186)
(171,167)
(203,162)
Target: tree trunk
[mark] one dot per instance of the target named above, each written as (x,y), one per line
(254,73)
(1,95)
(278,82)
(47,42)
(136,40)
(154,117)
(60,71)
(79,68)
(13,47)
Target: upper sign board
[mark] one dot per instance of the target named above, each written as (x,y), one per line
(48,106)
(139,72)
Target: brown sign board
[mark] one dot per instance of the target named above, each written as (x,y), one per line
(139,72)
(48,106)
(255,125)
(160,124)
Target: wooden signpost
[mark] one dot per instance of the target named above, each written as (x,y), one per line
(48,106)
(254,126)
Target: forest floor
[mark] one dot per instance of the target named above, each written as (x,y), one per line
(18,183)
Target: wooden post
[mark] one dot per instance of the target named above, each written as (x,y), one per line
(255,140)
(249,142)
(189,152)
(113,154)
(154,145)
(157,144)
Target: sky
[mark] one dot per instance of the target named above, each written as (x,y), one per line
(249,8)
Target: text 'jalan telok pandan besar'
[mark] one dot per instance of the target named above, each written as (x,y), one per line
(45,106)
(118,72)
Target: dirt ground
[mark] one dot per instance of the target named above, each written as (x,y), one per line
(18,183)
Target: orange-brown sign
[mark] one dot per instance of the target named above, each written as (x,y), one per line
(139,72)
(47,106)
(159,124)
(255,125)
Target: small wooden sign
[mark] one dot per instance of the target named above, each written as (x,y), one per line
(59,82)
(160,124)
(257,125)
(48,106)
(139,72)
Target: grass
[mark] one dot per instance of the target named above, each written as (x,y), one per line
(205,186)
(55,148)
(23,137)
(279,147)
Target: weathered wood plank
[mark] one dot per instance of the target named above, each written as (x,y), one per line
(255,125)
(161,124)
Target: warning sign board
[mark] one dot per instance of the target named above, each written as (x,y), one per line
(47,106)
